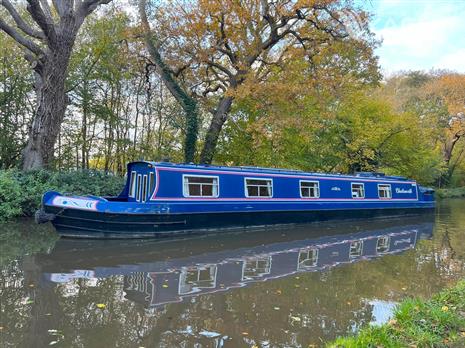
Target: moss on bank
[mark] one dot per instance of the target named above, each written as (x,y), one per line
(457,192)
(438,322)
(21,192)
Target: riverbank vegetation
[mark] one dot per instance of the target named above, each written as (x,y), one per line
(456,192)
(299,87)
(21,191)
(438,322)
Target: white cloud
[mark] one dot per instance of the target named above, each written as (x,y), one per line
(420,38)
(420,34)
(453,61)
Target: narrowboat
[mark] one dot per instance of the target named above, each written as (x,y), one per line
(155,273)
(164,199)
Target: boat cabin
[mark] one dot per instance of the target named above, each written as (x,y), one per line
(151,182)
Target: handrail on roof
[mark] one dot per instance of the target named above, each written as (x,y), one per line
(281,170)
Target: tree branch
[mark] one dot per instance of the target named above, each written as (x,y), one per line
(39,17)
(31,46)
(20,22)
(88,6)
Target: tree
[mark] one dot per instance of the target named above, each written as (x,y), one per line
(48,44)
(169,77)
(225,49)
(448,93)
(16,102)
(437,99)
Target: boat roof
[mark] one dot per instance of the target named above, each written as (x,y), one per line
(265,170)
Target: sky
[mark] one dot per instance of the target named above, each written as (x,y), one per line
(419,34)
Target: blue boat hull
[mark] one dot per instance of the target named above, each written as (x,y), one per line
(77,223)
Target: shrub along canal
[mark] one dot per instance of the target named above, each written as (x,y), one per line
(293,286)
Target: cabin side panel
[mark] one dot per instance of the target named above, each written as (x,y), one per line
(172,184)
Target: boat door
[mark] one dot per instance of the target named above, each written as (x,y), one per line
(142,188)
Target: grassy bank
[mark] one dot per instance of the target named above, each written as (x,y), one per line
(21,192)
(438,322)
(457,192)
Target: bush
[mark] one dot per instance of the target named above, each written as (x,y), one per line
(457,192)
(10,196)
(21,192)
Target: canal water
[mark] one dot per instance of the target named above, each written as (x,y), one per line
(298,286)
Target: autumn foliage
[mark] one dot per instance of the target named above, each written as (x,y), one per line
(282,84)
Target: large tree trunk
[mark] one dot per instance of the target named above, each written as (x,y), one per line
(48,50)
(50,111)
(219,118)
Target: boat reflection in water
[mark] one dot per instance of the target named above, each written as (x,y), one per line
(159,272)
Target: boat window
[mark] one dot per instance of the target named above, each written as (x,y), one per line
(194,279)
(358,191)
(139,187)
(200,186)
(151,182)
(144,189)
(309,189)
(132,184)
(259,187)
(382,245)
(384,191)
(256,268)
(307,258)
(356,248)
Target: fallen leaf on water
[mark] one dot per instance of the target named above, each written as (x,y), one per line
(101,305)
(31,285)
(53,343)
(48,313)
(245,333)
(164,285)
(1,327)
(276,308)
(295,318)
(52,331)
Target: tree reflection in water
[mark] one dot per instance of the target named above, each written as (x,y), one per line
(44,289)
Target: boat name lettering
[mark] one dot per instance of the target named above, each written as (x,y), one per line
(402,241)
(335,188)
(398,190)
